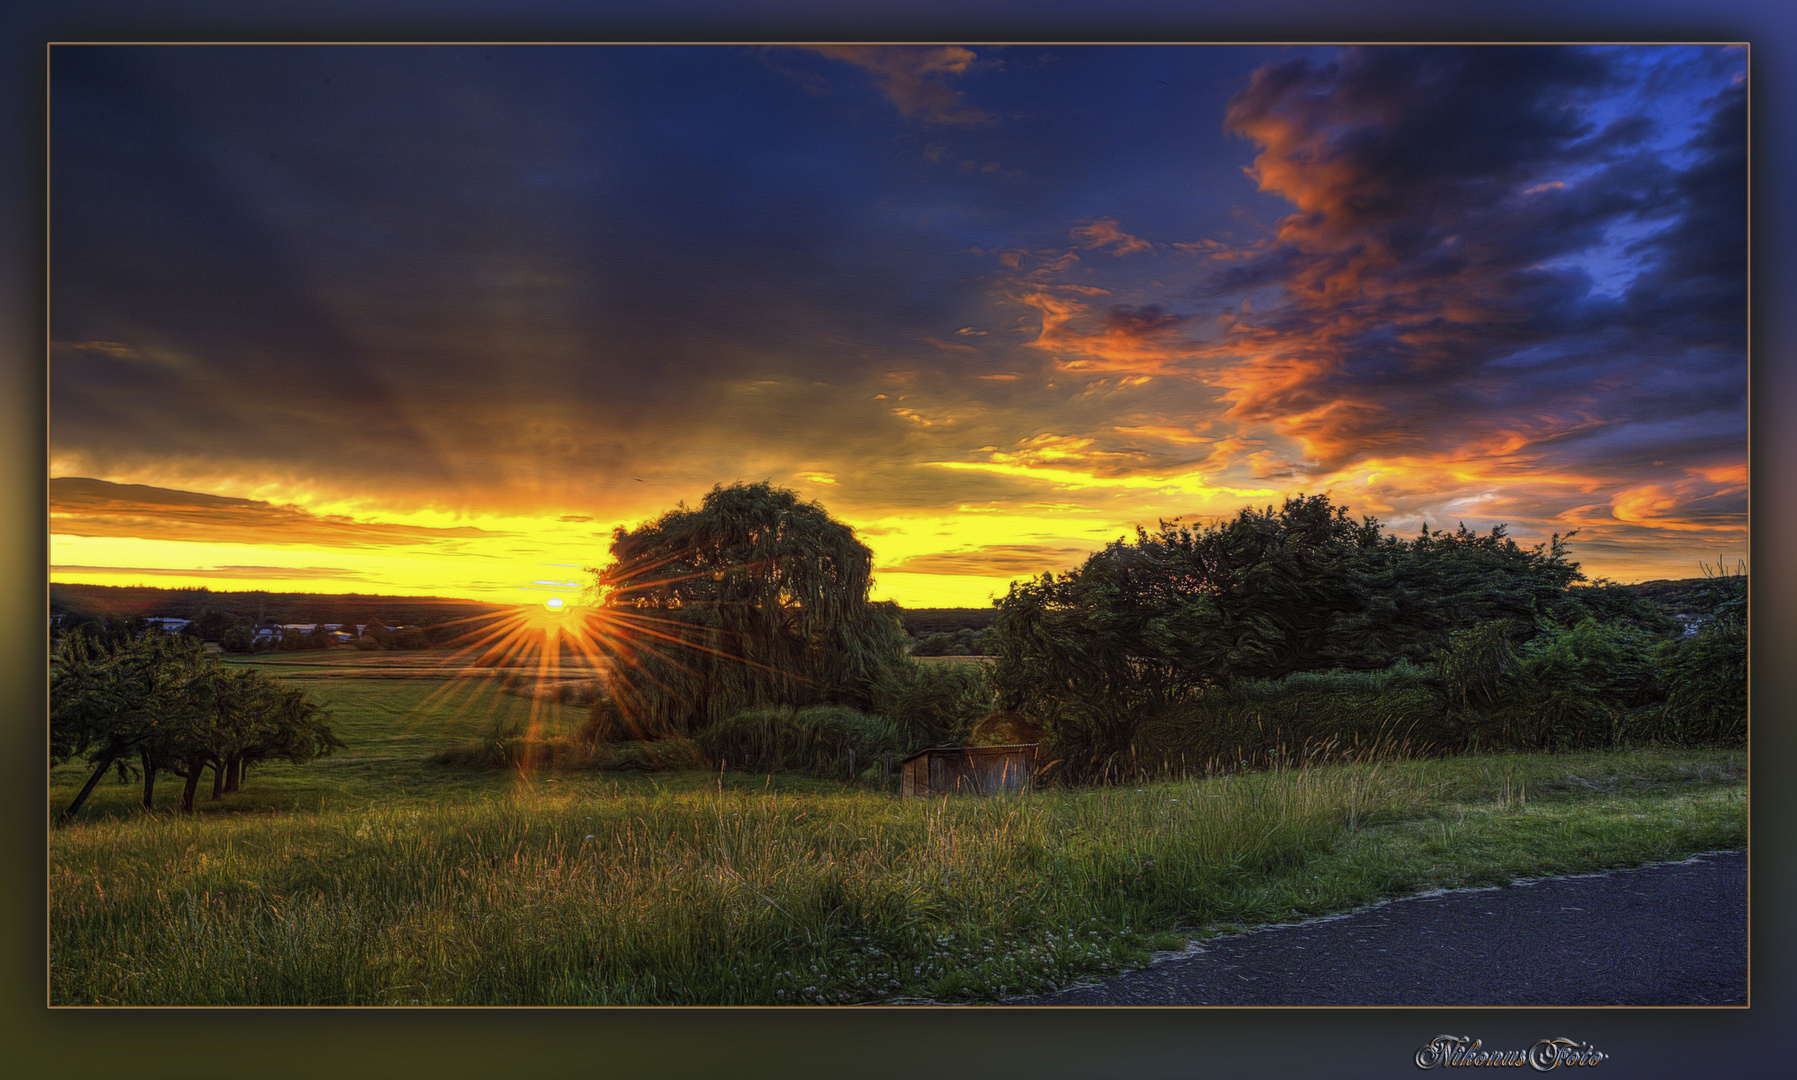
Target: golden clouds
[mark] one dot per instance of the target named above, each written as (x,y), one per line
(1079,463)
(96,508)
(1694,503)
(993,561)
(69,572)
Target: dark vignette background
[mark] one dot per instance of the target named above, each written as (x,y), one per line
(39,1042)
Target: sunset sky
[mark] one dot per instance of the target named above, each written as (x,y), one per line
(409,319)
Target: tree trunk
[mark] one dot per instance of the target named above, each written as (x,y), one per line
(86,790)
(233,773)
(218,779)
(194,769)
(149,783)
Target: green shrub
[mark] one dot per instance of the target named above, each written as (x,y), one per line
(1476,666)
(607,722)
(581,693)
(1586,686)
(1706,700)
(672,754)
(933,703)
(818,741)
(1307,716)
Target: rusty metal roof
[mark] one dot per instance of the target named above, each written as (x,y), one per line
(983,750)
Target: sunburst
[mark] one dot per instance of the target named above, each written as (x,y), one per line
(559,639)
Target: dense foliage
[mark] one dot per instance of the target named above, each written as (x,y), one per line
(1143,626)
(937,703)
(160,703)
(826,741)
(1706,672)
(753,600)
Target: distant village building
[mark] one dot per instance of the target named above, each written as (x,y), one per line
(168,626)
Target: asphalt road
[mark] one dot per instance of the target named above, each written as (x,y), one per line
(1667,934)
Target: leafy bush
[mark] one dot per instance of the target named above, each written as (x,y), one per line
(817,741)
(1307,716)
(1590,685)
(1476,666)
(1706,673)
(933,703)
(672,754)
(1707,701)
(1141,628)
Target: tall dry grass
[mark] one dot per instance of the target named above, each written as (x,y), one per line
(711,897)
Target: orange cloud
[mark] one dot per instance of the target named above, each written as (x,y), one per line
(1694,504)
(912,78)
(1106,233)
(1119,338)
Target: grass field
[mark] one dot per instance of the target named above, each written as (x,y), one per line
(373,878)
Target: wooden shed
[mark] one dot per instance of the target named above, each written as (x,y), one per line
(968,770)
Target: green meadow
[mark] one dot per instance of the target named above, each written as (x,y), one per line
(374,877)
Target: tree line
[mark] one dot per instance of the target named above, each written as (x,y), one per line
(156,703)
(1144,625)
(756,600)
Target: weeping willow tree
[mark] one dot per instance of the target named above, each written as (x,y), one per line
(753,600)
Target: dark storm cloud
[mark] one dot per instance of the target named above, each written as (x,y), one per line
(1129,321)
(476,274)
(1464,219)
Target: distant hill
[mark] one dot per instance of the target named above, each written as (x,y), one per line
(920,621)
(132,601)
